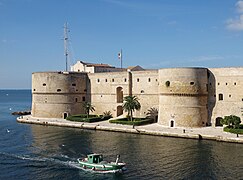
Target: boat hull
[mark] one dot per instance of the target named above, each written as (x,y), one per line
(101,166)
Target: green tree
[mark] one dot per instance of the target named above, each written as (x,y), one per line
(131,104)
(231,121)
(152,113)
(88,107)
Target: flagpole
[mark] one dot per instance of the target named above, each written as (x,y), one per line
(121,58)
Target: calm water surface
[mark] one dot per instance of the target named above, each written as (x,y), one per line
(42,152)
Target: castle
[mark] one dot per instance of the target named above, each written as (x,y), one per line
(184,97)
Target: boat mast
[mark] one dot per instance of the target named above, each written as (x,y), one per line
(66,44)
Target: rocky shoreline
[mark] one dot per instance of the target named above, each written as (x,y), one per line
(21,113)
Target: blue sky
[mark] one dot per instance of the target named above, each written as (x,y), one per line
(152,33)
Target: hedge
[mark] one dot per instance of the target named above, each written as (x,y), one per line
(135,122)
(83,118)
(234,130)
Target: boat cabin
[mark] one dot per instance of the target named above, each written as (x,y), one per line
(95,158)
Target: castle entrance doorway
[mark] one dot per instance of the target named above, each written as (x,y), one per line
(119,110)
(172,123)
(217,122)
(65,115)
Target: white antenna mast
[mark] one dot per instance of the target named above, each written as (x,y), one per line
(66,44)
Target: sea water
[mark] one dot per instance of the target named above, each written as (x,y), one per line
(30,151)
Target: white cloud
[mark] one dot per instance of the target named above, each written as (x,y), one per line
(239,6)
(235,24)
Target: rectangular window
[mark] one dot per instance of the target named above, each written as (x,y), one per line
(221,97)
(83,98)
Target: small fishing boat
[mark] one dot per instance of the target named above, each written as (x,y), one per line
(95,162)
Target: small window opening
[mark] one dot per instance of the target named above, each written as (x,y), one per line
(125,80)
(98,80)
(113,80)
(74,84)
(229,95)
(34,90)
(44,84)
(191,83)
(59,90)
(149,79)
(221,97)
(226,84)
(235,83)
(142,91)
(83,98)
(85,90)
(105,80)
(137,79)
(218,83)
(76,99)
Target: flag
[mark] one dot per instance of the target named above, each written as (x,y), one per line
(120,55)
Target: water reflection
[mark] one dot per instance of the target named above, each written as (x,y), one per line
(147,157)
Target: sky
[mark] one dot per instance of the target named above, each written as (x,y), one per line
(151,33)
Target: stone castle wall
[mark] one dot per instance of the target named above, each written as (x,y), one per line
(185,97)
(57,94)
(226,95)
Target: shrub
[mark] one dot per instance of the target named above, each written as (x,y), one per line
(231,121)
(234,130)
(83,118)
(135,122)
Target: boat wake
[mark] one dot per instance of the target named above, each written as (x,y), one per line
(68,163)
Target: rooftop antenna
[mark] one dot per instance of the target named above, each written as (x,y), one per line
(66,44)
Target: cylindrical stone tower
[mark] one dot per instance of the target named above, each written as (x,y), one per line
(58,94)
(183,96)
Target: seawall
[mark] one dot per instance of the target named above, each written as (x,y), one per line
(205,133)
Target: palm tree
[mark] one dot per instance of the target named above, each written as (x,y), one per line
(152,113)
(131,104)
(107,113)
(88,107)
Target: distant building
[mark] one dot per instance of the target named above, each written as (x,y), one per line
(184,97)
(81,66)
